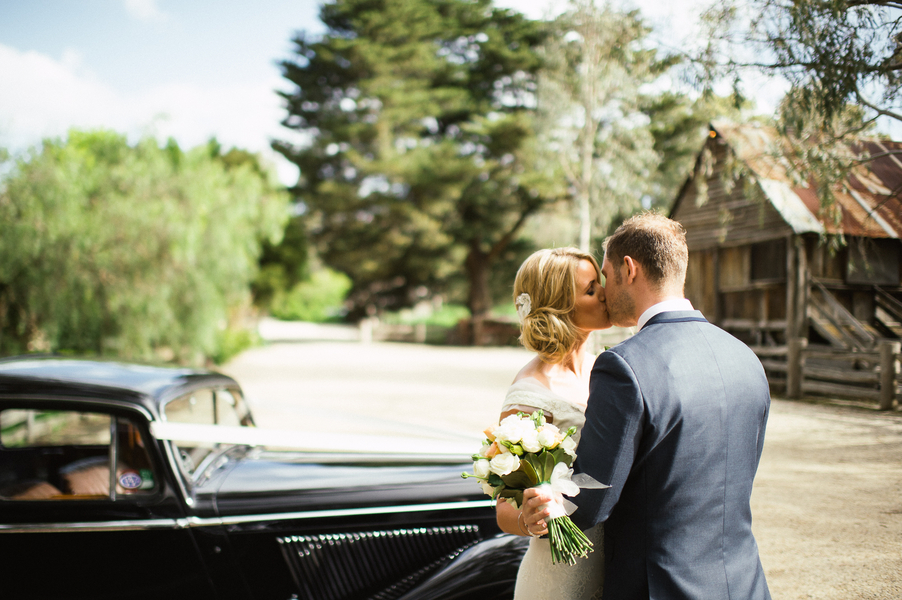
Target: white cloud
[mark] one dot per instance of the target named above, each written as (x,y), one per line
(44,97)
(145,10)
(48,97)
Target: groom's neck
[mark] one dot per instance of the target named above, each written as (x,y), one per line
(647,296)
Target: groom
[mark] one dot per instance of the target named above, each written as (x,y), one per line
(675,424)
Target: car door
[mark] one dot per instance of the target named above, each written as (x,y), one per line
(87,509)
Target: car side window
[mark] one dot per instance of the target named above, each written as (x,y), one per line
(66,455)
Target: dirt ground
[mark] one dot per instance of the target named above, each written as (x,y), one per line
(827,503)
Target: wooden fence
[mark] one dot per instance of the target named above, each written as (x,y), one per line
(801,370)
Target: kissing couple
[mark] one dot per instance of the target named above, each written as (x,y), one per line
(673,419)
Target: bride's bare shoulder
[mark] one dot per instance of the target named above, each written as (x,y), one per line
(534,369)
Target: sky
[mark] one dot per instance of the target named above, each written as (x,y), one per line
(187,69)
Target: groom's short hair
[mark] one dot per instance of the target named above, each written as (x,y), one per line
(655,242)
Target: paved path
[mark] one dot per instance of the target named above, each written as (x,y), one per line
(827,503)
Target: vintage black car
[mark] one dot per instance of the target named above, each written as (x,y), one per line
(128,481)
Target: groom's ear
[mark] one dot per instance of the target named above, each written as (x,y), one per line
(630,269)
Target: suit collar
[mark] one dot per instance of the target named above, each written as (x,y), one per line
(676,316)
(668,305)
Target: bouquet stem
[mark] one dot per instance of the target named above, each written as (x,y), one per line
(568,542)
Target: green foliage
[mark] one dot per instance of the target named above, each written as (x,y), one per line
(232,341)
(317,299)
(590,108)
(128,249)
(446,317)
(283,261)
(282,265)
(421,153)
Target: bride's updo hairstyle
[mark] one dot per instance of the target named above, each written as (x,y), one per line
(549,279)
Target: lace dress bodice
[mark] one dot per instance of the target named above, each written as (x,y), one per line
(537,578)
(528,393)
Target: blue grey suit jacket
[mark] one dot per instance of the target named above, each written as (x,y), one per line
(675,424)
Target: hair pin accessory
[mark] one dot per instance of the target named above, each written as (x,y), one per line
(524,305)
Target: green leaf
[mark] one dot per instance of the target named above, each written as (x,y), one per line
(519,479)
(549,462)
(537,463)
(529,470)
(517,495)
(560,456)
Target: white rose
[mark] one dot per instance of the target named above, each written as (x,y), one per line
(504,463)
(569,446)
(481,468)
(530,441)
(552,428)
(548,438)
(512,428)
(489,490)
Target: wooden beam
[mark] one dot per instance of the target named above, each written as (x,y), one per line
(837,389)
(842,375)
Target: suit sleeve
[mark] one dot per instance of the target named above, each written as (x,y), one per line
(609,442)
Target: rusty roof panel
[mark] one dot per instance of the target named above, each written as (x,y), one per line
(870,205)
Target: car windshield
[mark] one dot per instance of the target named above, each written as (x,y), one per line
(206,406)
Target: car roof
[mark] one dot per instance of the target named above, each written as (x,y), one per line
(147,385)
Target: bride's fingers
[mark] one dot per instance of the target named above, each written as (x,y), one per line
(539,528)
(537,519)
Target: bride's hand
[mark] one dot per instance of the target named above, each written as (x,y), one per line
(535,510)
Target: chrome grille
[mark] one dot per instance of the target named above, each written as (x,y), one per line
(382,565)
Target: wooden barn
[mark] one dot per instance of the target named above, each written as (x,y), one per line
(817,294)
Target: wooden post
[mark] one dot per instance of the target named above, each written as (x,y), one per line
(791,284)
(800,326)
(888,351)
(717,310)
(795,365)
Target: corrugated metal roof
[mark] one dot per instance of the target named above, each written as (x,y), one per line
(870,205)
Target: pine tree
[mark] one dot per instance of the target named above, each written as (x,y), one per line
(418,161)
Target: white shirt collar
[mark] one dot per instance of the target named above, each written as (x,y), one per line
(665,306)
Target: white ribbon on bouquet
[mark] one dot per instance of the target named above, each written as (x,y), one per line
(565,483)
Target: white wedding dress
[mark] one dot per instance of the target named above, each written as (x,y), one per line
(537,578)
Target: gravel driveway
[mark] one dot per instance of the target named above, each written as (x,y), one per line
(827,503)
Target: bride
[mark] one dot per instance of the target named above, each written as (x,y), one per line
(560,300)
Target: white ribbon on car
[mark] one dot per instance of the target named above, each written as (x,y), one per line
(565,483)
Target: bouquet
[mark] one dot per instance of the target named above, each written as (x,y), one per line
(524,451)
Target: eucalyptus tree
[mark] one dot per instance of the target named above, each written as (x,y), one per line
(417,163)
(591,109)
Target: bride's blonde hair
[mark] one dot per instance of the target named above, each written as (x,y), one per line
(549,277)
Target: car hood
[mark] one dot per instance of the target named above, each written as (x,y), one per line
(316,472)
(285,481)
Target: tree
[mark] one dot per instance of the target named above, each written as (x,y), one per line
(590,107)
(842,59)
(284,262)
(418,160)
(128,250)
